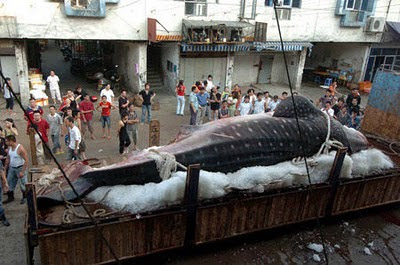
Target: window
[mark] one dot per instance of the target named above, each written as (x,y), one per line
(283,13)
(79,3)
(196,7)
(359,5)
(269,3)
(284,3)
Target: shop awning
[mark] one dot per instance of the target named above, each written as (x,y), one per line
(276,46)
(214,47)
(394,27)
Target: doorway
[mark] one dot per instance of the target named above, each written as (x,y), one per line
(265,69)
(8,65)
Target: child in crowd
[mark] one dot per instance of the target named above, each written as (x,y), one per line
(133,121)
(232,101)
(267,100)
(342,116)
(10,128)
(106,108)
(124,140)
(328,109)
(259,106)
(245,108)
(224,111)
(78,123)
(215,100)
(252,96)
(55,122)
(225,94)
(274,103)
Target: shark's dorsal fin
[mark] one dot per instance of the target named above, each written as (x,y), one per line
(305,108)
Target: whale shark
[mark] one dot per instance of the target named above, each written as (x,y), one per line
(225,145)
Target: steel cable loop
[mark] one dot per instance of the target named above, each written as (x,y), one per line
(299,131)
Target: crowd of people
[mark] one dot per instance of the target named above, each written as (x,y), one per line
(69,120)
(346,110)
(206,99)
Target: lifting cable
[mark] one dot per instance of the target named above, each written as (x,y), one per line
(89,215)
(321,235)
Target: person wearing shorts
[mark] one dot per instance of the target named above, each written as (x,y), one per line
(105,107)
(53,81)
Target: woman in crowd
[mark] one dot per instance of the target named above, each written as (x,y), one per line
(10,128)
(215,100)
(180,95)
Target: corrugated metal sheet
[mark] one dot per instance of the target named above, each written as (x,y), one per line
(169,37)
(215,47)
(257,46)
(276,46)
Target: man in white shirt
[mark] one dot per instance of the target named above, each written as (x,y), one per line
(74,139)
(53,81)
(108,93)
(210,84)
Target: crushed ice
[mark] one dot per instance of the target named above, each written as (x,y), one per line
(153,196)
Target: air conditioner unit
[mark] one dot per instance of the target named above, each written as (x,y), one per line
(375,24)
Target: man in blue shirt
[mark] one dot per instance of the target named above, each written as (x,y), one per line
(202,98)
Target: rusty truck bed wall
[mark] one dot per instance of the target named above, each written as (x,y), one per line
(132,237)
(197,223)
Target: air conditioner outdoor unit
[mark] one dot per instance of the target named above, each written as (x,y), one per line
(376,24)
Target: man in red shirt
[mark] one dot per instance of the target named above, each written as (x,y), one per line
(87,108)
(32,108)
(43,127)
(106,108)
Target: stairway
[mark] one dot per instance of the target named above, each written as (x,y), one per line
(154,79)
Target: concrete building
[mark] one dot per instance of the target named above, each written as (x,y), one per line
(235,40)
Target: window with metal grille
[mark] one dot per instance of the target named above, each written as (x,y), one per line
(196,7)
(284,3)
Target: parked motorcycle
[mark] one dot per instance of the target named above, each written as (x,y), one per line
(108,77)
(67,52)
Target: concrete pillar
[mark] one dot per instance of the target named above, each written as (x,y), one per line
(300,67)
(142,60)
(229,70)
(22,69)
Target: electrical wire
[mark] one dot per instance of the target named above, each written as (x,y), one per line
(300,132)
(62,171)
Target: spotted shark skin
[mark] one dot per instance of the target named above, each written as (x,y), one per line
(225,145)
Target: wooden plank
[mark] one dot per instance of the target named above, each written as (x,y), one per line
(154,133)
(190,200)
(32,145)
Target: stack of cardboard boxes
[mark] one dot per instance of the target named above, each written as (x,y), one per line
(37,88)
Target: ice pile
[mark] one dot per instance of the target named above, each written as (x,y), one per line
(153,196)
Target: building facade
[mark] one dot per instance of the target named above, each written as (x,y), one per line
(235,40)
